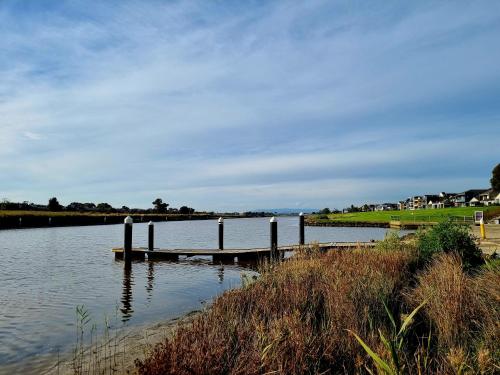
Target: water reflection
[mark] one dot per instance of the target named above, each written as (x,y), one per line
(220,274)
(128,282)
(150,281)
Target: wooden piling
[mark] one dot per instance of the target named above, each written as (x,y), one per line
(221,233)
(301,229)
(151,236)
(127,245)
(274,237)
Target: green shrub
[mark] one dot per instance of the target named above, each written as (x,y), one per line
(449,237)
(393,242)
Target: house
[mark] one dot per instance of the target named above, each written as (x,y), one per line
(420,202)
(404,205)
(429,200)
(442,200)
(446,199)
(435,203)
(474,202)
(415,203)
(463,199)
(386,207)
(489,197)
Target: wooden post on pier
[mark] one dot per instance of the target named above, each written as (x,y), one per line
(221,233)
(301,229)
(274,237)
(151,236)
(127,245)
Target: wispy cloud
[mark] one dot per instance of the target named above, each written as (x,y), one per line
(246,105)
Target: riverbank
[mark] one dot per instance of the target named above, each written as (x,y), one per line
(405,219)
(44,219)
(119,352)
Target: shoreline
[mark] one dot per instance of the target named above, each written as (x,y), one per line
(354,224)
(368,224)
(119,352)
(31,220)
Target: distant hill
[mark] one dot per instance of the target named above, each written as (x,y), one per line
(287,211)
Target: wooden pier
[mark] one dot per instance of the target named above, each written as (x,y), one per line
(231,254)
(274,252)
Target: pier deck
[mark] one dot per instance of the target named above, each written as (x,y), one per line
(252,253)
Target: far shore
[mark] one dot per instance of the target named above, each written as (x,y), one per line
(46,219)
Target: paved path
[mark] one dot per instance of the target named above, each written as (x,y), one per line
(492,241)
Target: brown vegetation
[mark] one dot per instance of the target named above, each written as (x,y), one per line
(294,319)
(464,311)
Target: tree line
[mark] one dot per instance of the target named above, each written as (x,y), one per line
(53,205)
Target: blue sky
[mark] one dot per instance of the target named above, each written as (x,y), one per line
(226,105)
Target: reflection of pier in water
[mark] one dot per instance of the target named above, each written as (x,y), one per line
(220,274)
(151,279)
(128,282)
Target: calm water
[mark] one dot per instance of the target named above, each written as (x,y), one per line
(45,273)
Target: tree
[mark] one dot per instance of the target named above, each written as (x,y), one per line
(325,211)
(4,204)
(185,210)
(495,178)
(160,206)
(75,206)
(54,204)
(105,207)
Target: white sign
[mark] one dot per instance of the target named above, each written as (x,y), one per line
(478,216)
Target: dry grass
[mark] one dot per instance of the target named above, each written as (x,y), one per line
(464,312)
(293,319)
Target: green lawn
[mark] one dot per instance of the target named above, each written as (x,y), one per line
(430,215)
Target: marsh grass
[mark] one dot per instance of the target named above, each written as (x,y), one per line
(95,352)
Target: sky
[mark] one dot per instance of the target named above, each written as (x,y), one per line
(229,105)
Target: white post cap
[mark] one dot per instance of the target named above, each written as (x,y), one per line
(273,220)
(481,221)
(128,220)
(151,223)
(221,220)
(301,214)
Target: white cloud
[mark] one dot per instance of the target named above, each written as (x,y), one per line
(209,95)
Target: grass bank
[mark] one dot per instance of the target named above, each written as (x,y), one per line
(346,312)
(383,218)
(39,219)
